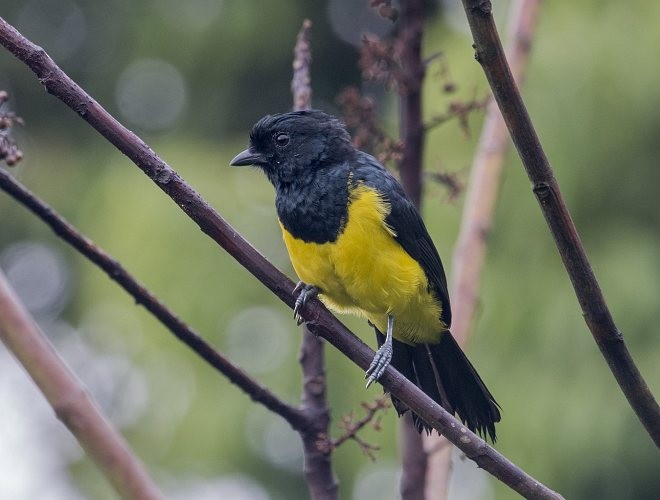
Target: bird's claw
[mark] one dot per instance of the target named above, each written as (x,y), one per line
(306,292)
(379,364)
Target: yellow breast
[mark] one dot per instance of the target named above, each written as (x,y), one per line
(366,272)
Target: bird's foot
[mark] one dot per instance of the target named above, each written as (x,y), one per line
(306,292)
(378,365)
(383,356)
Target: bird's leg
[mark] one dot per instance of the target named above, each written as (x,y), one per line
(306,292)
(383,355)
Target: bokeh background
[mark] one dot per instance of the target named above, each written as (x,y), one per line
(191,77)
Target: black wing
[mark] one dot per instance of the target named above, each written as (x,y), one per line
(408,225)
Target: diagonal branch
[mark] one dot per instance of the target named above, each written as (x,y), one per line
(70,401)
(210,222)
(183,332)
(597,315)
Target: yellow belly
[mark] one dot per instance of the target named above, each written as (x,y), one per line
(366,272)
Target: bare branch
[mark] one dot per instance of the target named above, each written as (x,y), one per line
(70,401)
(319,475)
(318,318)
(414,459)
(183,332)
(413,71)
(302,59)
(597,315)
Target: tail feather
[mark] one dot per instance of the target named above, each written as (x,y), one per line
(429,381)
(473,402)
(445,374)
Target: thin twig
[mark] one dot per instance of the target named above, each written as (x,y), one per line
(123,278)
(318,317)
(369,449)
(351,427)
(597,315)
(477,221)
(319,476)
(70,401)
(457,110)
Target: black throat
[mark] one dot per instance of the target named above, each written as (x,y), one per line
(314,207)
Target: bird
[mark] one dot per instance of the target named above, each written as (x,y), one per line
(358,242)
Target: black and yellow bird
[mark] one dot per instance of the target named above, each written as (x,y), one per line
(355,239)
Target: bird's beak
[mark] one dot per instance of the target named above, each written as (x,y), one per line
(247,157)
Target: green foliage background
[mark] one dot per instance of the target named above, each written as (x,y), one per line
(593,91)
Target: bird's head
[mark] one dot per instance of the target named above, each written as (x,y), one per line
(289,146)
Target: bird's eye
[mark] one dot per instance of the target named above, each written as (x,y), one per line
(281,140)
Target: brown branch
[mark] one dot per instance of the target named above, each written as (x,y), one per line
(413,459)
(317,467)
(410,91)
(318,318)
(123,278)
(477,221)
(70,401)
(597,315)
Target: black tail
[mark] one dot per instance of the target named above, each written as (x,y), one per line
(445,374)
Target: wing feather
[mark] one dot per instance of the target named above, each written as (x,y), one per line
(407,225)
